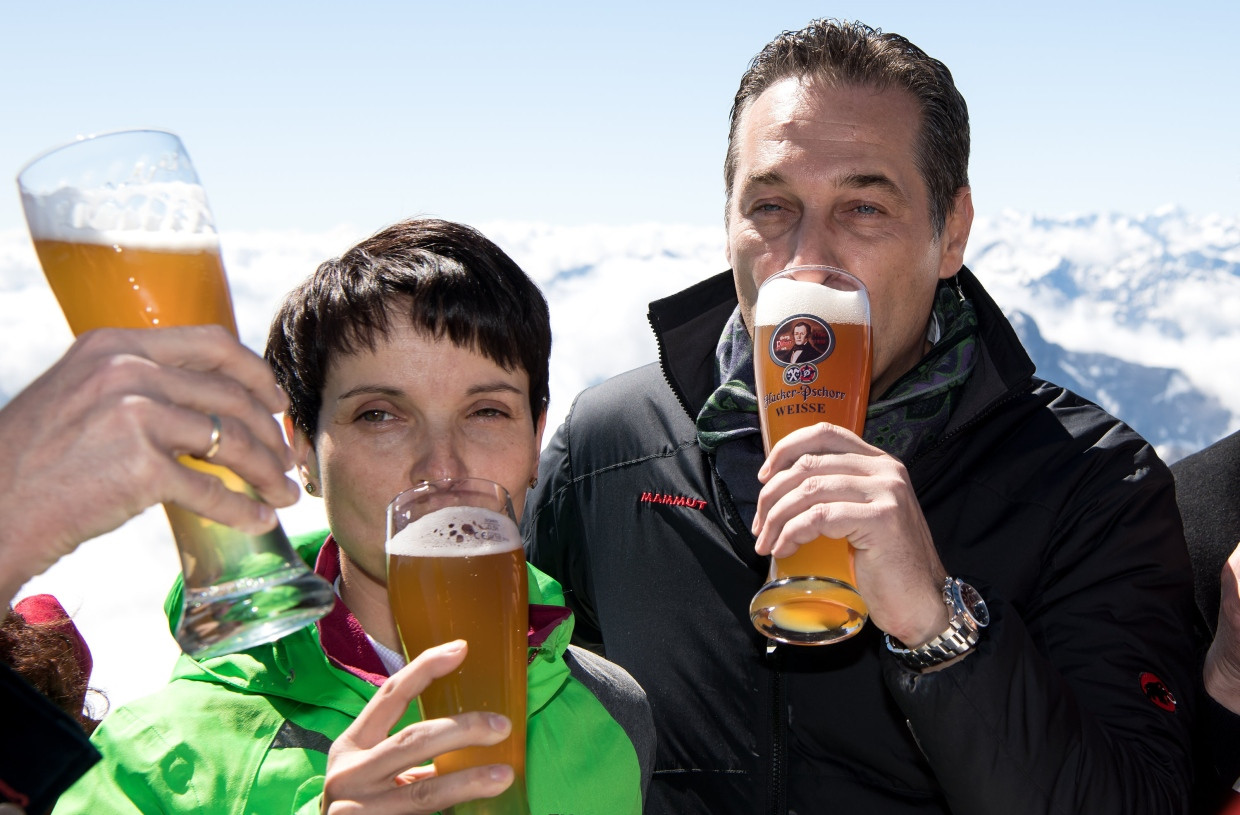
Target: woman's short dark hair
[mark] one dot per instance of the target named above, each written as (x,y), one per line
(845,54)
(448,279)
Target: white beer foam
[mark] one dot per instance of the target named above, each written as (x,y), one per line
(165,215)
(456,532)
(781,298)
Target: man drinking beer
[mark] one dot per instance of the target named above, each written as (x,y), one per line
(976,493)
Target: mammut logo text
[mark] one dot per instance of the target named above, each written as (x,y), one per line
(672,500)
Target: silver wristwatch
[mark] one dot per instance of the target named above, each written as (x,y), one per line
(969,617)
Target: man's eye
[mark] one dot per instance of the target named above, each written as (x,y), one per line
(767,208)
(489,412)
(866,209)
(375,416)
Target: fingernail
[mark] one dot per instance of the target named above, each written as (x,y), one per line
(498,723)
(454,647)
(266,514)
(500,772)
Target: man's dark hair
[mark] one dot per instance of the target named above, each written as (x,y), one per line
(842,53)
(447,278)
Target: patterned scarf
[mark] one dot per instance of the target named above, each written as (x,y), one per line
(905,420)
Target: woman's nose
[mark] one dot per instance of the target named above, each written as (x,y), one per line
(439,457)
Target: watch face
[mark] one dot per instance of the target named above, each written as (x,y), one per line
(973,604)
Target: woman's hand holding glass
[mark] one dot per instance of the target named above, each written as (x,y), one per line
(381,773)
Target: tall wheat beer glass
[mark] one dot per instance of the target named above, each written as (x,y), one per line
(456,570)
(812,364)
(125,237)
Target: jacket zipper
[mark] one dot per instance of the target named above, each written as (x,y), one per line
(778,793)
(658,338)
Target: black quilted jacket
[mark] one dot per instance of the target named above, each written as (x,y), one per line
(1078,698)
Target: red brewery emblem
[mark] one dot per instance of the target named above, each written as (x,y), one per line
(800,374)
(1157,691)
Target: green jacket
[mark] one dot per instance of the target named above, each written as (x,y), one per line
(249,732)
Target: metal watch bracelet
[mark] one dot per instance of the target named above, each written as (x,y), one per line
(969,616)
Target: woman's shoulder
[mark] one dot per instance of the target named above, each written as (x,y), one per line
(171,751)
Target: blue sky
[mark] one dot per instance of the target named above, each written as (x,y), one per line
(314,114)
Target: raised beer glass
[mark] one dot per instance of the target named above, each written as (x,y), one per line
(456,570)
(126,239)
(812,364)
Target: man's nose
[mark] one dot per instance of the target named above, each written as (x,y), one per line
(815,244)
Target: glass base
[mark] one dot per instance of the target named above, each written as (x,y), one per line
(239,615)
(808,610)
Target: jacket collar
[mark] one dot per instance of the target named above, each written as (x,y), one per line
(690,322)
(343,639)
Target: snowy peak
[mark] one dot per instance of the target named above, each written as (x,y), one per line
(1162,404)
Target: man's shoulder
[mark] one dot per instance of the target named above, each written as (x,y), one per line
(1081,417)
(633,416)
(622,386)
(1078,445)
(631,399)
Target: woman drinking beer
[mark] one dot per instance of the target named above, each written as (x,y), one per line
(418,355)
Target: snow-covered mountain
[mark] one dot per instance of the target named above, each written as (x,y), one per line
(1173,414)
(1140,314)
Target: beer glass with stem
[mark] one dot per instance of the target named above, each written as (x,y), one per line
(123,232)
(456,570)
(812,357)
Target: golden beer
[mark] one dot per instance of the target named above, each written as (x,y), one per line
(458,572)
(118,286)
(810,597)
(112,285)
(125,238)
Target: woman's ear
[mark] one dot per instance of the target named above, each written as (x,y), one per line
(304,457)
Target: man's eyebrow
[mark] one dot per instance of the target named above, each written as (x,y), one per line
(855,181)
(871,181)
(771,177)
